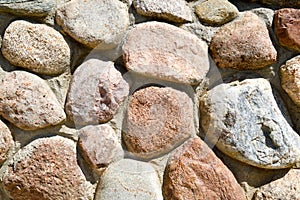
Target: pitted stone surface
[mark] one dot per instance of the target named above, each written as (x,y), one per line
(6,141)
(245,122)
(243,44)
(129,179)
(194,172)
(164,51)
(287,27)
(172,10)
(157,120)
(96,92)
(290,78)
(46,169)
(97,23)
(36,47)
(99,145)
(216,12)
(28,102)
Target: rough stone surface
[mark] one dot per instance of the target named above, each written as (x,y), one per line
(27,7)
(96,92)
(290,78)
(6,141)
(36,47)
(245,122)
(216,12)
(28,102)
(99,145)
(194,172)
(97,23)
(129,179)
(164,51)
(287,27)
(280,3)
(172,10)
(243,44)
(46,169)
(157,120)
(287,187)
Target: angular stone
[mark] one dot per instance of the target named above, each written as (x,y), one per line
(243,44)
(46,169)
(36,47)
(36,8)
(216,12)
(164,51)
(97,23)
(157,120)
(287,27)
(129,179)
(96,92)
(172,10)
(287,187)
(6,141)
(194,172)
(290,78)
(99,145)
(244,121)
(28,102)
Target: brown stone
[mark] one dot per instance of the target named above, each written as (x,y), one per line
(6,141)
(46,169)
(157,120)
(99,145)
(243,44)
(287,27)
(166,52)
(194,172)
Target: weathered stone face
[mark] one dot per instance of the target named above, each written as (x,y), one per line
(194,172)
(6,141)
(157,120)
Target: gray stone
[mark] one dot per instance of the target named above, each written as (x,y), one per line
(97,23)
(290,78)
(172,10)
(46,169)
(129,179)
(36,47)
(99,145)
(216,12)
(96,92)
(244,121)
(36,8)
(166,52)
(243,44)
(6,141)
(157,120)
(28,102)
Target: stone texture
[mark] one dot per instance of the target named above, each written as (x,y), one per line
(172,10)
(243,44)
(166,52)
(129,179)
(36,47)
(245,122)
(97,23)
(157,120)
(46,169)
(290,78)
(216,12)
(96,92)
(28,102)
(287,187)
(280,3)
(6,141)
(99,145)
(36,8)
(287,27)
(194,172)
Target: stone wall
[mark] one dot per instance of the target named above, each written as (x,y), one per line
(146,99)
